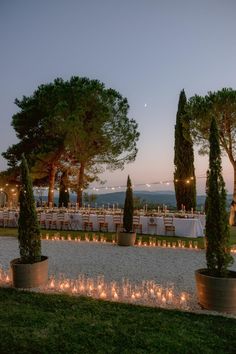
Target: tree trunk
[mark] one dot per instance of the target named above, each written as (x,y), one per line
(234,166)
(80,185)
(52,174)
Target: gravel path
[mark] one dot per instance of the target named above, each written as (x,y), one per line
(162,265)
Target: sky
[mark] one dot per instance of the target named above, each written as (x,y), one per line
(148,50)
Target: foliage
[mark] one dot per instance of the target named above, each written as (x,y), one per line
(217,229)
(100,132)
(77,121)
(185,192)
(28,227)
(221,105)
(66,324)
(128,208)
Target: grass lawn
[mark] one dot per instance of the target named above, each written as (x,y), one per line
(39,323)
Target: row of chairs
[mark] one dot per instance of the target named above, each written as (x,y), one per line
(8,219)
(60,222)
(137,226)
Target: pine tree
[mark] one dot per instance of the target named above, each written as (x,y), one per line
(128,208)
(28,226)
(184,174)
(217,229)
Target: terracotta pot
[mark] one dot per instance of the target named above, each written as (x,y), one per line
(215,293)
(126,238)
(29,275)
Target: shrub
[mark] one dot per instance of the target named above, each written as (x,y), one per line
(217,230)
(28,226)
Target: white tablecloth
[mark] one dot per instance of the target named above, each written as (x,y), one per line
(187,227)
(183,226)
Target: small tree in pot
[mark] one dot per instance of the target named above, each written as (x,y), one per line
(127,237)
(216,285)
(31,269)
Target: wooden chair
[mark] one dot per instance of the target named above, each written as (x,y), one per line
(152,226)
(60,220)
(169,225)
(13,219)
(5,218)
(1,218)
(117,222)
(87,224)
(54,221)
(48,220)
(136,224)
(41,221)
(103,225)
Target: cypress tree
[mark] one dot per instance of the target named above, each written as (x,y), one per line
(128,207)
(217,230)
(64,197)
(28,226)
(184,174)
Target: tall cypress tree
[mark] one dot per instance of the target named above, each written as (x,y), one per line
(128,207)
(217,229)
(184,174)
(64,196)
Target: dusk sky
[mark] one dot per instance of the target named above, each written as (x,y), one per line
(148,50)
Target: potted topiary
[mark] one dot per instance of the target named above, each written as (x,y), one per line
(127,237)
(31,269)
(216,285)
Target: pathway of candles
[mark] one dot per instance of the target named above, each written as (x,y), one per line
(152,242)
(147,293)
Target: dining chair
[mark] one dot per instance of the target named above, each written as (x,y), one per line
(41,220)
(87,224)
(152,225)
(60,220)
(103,225)
(48,220)
(5,218)
(169,224)
(117,221)
(136,224)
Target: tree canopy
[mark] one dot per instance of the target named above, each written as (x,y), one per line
(79,122)
(221,105)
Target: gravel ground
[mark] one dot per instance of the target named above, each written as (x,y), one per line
(162,265)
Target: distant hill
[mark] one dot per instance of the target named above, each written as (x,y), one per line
(145,197)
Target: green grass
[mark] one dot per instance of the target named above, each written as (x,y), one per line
(109,235)
(39,323)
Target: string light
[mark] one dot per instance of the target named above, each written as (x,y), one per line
(113,188)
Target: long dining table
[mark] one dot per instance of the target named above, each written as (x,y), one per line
(186,227)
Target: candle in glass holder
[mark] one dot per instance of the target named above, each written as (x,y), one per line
(163,300)
(103,295)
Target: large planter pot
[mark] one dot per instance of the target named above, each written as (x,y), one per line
(29,275)
(215,293)
(126,238)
